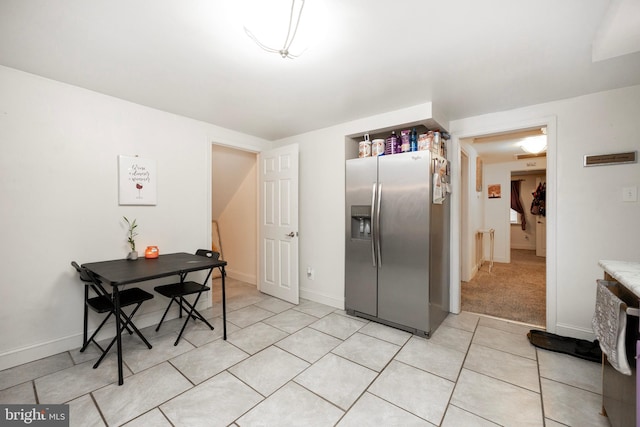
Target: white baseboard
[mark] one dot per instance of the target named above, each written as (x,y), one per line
(238,275)
(322,299)
(575,332)
(38,351)
(474,271)
(525,247)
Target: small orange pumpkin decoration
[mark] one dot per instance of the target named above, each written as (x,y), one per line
(151,252)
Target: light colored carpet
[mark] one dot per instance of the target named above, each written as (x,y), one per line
(513,291)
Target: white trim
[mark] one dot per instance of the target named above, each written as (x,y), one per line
(455,154)
(243,277)
(38,351)
(322,299)
(575,332)
(523,247)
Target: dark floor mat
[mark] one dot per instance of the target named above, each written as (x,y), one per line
(587,350)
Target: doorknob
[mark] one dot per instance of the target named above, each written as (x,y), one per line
(292,234)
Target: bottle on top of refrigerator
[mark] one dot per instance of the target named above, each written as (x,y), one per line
(423,142)
(377,147)
(364,149)
(405,140)
(392,145)
(414,139)
(435,145)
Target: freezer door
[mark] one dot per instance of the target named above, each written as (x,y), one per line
(403,270)
(360,268)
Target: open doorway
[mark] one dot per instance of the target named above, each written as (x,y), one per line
(514,287)
(234,197)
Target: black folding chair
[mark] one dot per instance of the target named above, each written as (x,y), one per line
(178,291)
(102,303)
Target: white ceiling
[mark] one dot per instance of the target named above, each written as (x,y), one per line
(505,147)
(192,57)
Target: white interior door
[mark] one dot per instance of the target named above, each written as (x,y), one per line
(278,223)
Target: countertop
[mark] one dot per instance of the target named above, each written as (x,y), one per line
(625,272)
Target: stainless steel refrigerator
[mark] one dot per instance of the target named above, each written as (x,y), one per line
(397,242)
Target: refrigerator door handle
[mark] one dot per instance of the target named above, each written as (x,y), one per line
(377,235)
(373,232)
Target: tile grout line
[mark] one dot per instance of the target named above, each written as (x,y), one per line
(95,403)
(366,390)
(358,398)
(455,384)
(292,379)
(540,385)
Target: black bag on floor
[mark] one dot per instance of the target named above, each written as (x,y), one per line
(583,349)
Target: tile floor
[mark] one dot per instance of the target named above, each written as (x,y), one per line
(313,365)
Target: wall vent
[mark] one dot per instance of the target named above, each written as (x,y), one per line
(530,156)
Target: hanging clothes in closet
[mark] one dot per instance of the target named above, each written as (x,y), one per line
(538,203)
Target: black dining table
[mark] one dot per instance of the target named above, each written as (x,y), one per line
(122,272)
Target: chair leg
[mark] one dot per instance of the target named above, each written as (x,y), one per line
(195,313)
(86,320)
(165,314)
(183,306)
(127,322)
(192,313)
(86,344)
(84,330)
(104,353)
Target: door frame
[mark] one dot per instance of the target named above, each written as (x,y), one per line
(479,129)
(465,251)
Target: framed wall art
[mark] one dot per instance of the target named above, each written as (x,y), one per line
(137,181)
(494,191)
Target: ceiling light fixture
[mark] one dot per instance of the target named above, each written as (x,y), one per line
(534,144)
(294,21)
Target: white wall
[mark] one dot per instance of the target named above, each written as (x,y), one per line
(58,161)
(590,222)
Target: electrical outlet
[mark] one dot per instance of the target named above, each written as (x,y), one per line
(630,194)
(310,273)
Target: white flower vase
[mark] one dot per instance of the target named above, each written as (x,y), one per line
(132,256)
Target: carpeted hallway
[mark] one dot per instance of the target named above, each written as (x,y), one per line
(514,291)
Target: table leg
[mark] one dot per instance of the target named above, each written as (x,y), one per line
(492,239)
(479,249)
(224,307)
(116,305)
